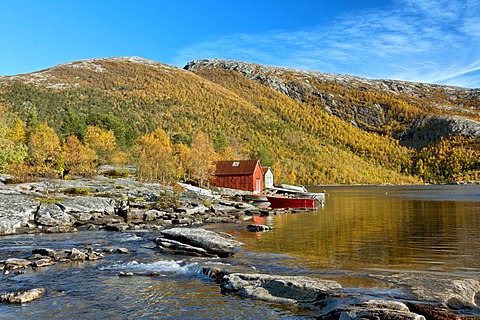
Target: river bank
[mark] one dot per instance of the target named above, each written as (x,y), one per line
(437,297)
(59,206)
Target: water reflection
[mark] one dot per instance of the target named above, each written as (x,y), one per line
(433,228)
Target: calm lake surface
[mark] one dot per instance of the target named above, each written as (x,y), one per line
(359,231)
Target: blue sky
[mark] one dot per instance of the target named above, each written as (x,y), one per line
(435,41)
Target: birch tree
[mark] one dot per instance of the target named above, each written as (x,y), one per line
(155,158)
(203,158)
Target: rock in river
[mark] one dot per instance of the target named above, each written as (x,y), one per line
(22,296)
(453,292)
(259,228)
(214,243)
(15,263)
(374,309)
(289,290)
(177,247)
(321,299)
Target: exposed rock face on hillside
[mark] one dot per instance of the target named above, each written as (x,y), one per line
(440,110)
(431,128)
(299,80)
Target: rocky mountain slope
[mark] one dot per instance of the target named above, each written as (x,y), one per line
(414,113)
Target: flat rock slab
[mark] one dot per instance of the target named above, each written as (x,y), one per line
(288,290)
(452,292)
(53,215)
(213,242)
(84,208)
(322,299)
(16,210)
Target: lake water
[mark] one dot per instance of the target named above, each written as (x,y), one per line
(359,231)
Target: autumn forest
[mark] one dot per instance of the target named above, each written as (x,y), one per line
(173,124)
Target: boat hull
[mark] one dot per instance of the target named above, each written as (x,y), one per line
(298,192)
(255,198)
(285,202)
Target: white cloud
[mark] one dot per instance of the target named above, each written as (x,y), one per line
(437,9)
(416,40)
(471,26)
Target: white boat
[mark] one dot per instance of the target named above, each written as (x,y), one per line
(293,188)
(300,192)
(258,197)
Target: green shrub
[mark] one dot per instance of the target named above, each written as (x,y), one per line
(117,173)
(49,200)
(77,191)
(167,200)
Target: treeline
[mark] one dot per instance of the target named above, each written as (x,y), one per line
(34,150)
(451,159)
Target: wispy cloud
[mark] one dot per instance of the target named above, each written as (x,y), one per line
(434,41)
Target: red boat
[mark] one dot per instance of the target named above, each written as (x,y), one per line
(286,202)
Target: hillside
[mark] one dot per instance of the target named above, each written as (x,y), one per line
(413,113)
(270,115)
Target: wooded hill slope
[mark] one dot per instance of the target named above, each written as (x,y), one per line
(413,113)
(303,140)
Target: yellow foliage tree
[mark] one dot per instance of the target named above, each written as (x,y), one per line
(16,132)
(228,153)
(154,153)
(12,148)
(43,147)
(77,158)
(100,140)
(183,157)
(119,157)
(203,158)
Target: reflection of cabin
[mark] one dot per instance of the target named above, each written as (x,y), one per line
(267,177)
(239,174)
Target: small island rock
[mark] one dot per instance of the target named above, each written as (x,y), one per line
(23,296)
(213,242)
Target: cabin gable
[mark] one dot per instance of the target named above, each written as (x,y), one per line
(267,177)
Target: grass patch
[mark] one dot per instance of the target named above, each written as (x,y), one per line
(77,191)
(49,200)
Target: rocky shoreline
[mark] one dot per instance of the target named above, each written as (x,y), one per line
(57,206)
(124,204)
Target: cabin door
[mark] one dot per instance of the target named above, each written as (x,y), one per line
(258,185)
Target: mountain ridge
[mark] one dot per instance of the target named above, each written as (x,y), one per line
(341,78)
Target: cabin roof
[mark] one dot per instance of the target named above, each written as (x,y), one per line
(235,167)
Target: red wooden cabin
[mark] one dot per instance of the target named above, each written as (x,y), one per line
(239,174)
